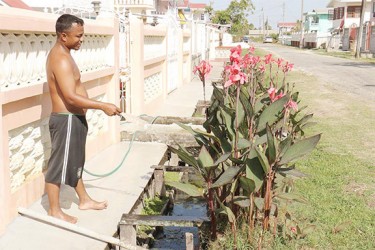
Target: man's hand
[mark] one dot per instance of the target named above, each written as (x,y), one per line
(111,109)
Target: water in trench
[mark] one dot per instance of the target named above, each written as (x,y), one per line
(174,237)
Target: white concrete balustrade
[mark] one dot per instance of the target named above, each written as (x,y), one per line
(154,47)
(23,57)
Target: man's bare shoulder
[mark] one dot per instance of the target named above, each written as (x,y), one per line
(58,59)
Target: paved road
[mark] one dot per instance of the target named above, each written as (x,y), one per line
(354,77)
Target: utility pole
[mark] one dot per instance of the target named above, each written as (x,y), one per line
(263,29)
(302,27)
(360,33)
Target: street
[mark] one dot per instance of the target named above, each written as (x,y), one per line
(352,77)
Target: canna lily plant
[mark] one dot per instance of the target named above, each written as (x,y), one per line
(257,133)
(203,70)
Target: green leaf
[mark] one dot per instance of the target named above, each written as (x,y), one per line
(246,103)
(271,113)
(291,197)
(222,158)
(228,120)
(185,156)
(254,171)
(305,119)
(247,184)
(187,188)
(263,161)
(241,201)
(227,176)
(204,158)
(271,145)
(259,203)
(240,114)
(225,145)
(299,149)
(227,211)
(243,143)
(284,145)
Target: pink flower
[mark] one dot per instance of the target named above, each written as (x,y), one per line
(279,62)
(292,105)
(235,75)
(251,50)
(235,54)
(287,67)
(272,94)
(204,68)
(293,230)
(267,59)
(262,68)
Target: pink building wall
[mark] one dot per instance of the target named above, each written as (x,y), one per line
(26,39)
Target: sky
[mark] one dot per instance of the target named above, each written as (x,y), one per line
(273,9)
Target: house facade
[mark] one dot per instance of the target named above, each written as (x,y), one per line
(317,26)
(346,22)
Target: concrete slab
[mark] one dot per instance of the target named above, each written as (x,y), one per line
(121,190)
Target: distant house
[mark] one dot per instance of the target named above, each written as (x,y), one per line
(15,4)
(319,20)
(346,20)
(194,11)
(347,13)
(285,28)
(317,27)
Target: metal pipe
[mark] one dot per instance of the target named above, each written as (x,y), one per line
(74,228)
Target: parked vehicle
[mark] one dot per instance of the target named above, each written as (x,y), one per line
(246,39)
(267,39)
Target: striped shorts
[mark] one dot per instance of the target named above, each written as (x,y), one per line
(68,139)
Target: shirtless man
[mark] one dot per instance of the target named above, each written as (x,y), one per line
(68,126)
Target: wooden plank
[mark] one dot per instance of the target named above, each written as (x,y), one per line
(189,169)
(161,220)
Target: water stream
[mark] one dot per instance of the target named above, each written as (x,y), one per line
(174,237)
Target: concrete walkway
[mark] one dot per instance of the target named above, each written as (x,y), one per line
(121,189)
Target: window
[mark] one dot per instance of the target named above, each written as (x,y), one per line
(373,9)
(330,15)
(354,12)
(338,13)
(315,19)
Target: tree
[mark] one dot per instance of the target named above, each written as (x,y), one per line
(235,15)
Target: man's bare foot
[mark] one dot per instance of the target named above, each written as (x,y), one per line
(94,205)
(63,216)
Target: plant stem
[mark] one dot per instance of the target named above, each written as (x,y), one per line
(204,89)
(211,209)
(268,200)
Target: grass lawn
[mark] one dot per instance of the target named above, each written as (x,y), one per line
(340,187)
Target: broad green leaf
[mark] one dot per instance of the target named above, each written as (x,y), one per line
(241,201)
(254,171)
(246,104)
(271,113)
(204,158)
(259,203)
(225,145)
(284,145)
(187,188)
(243,143)
(299,149)
(227,176)
(291,197)
(240,113)
(185,156)
(260,139)
(247,184)
(305,119)
(222,158)
(271,145)
(227,211)
(263,161)
(228,120)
